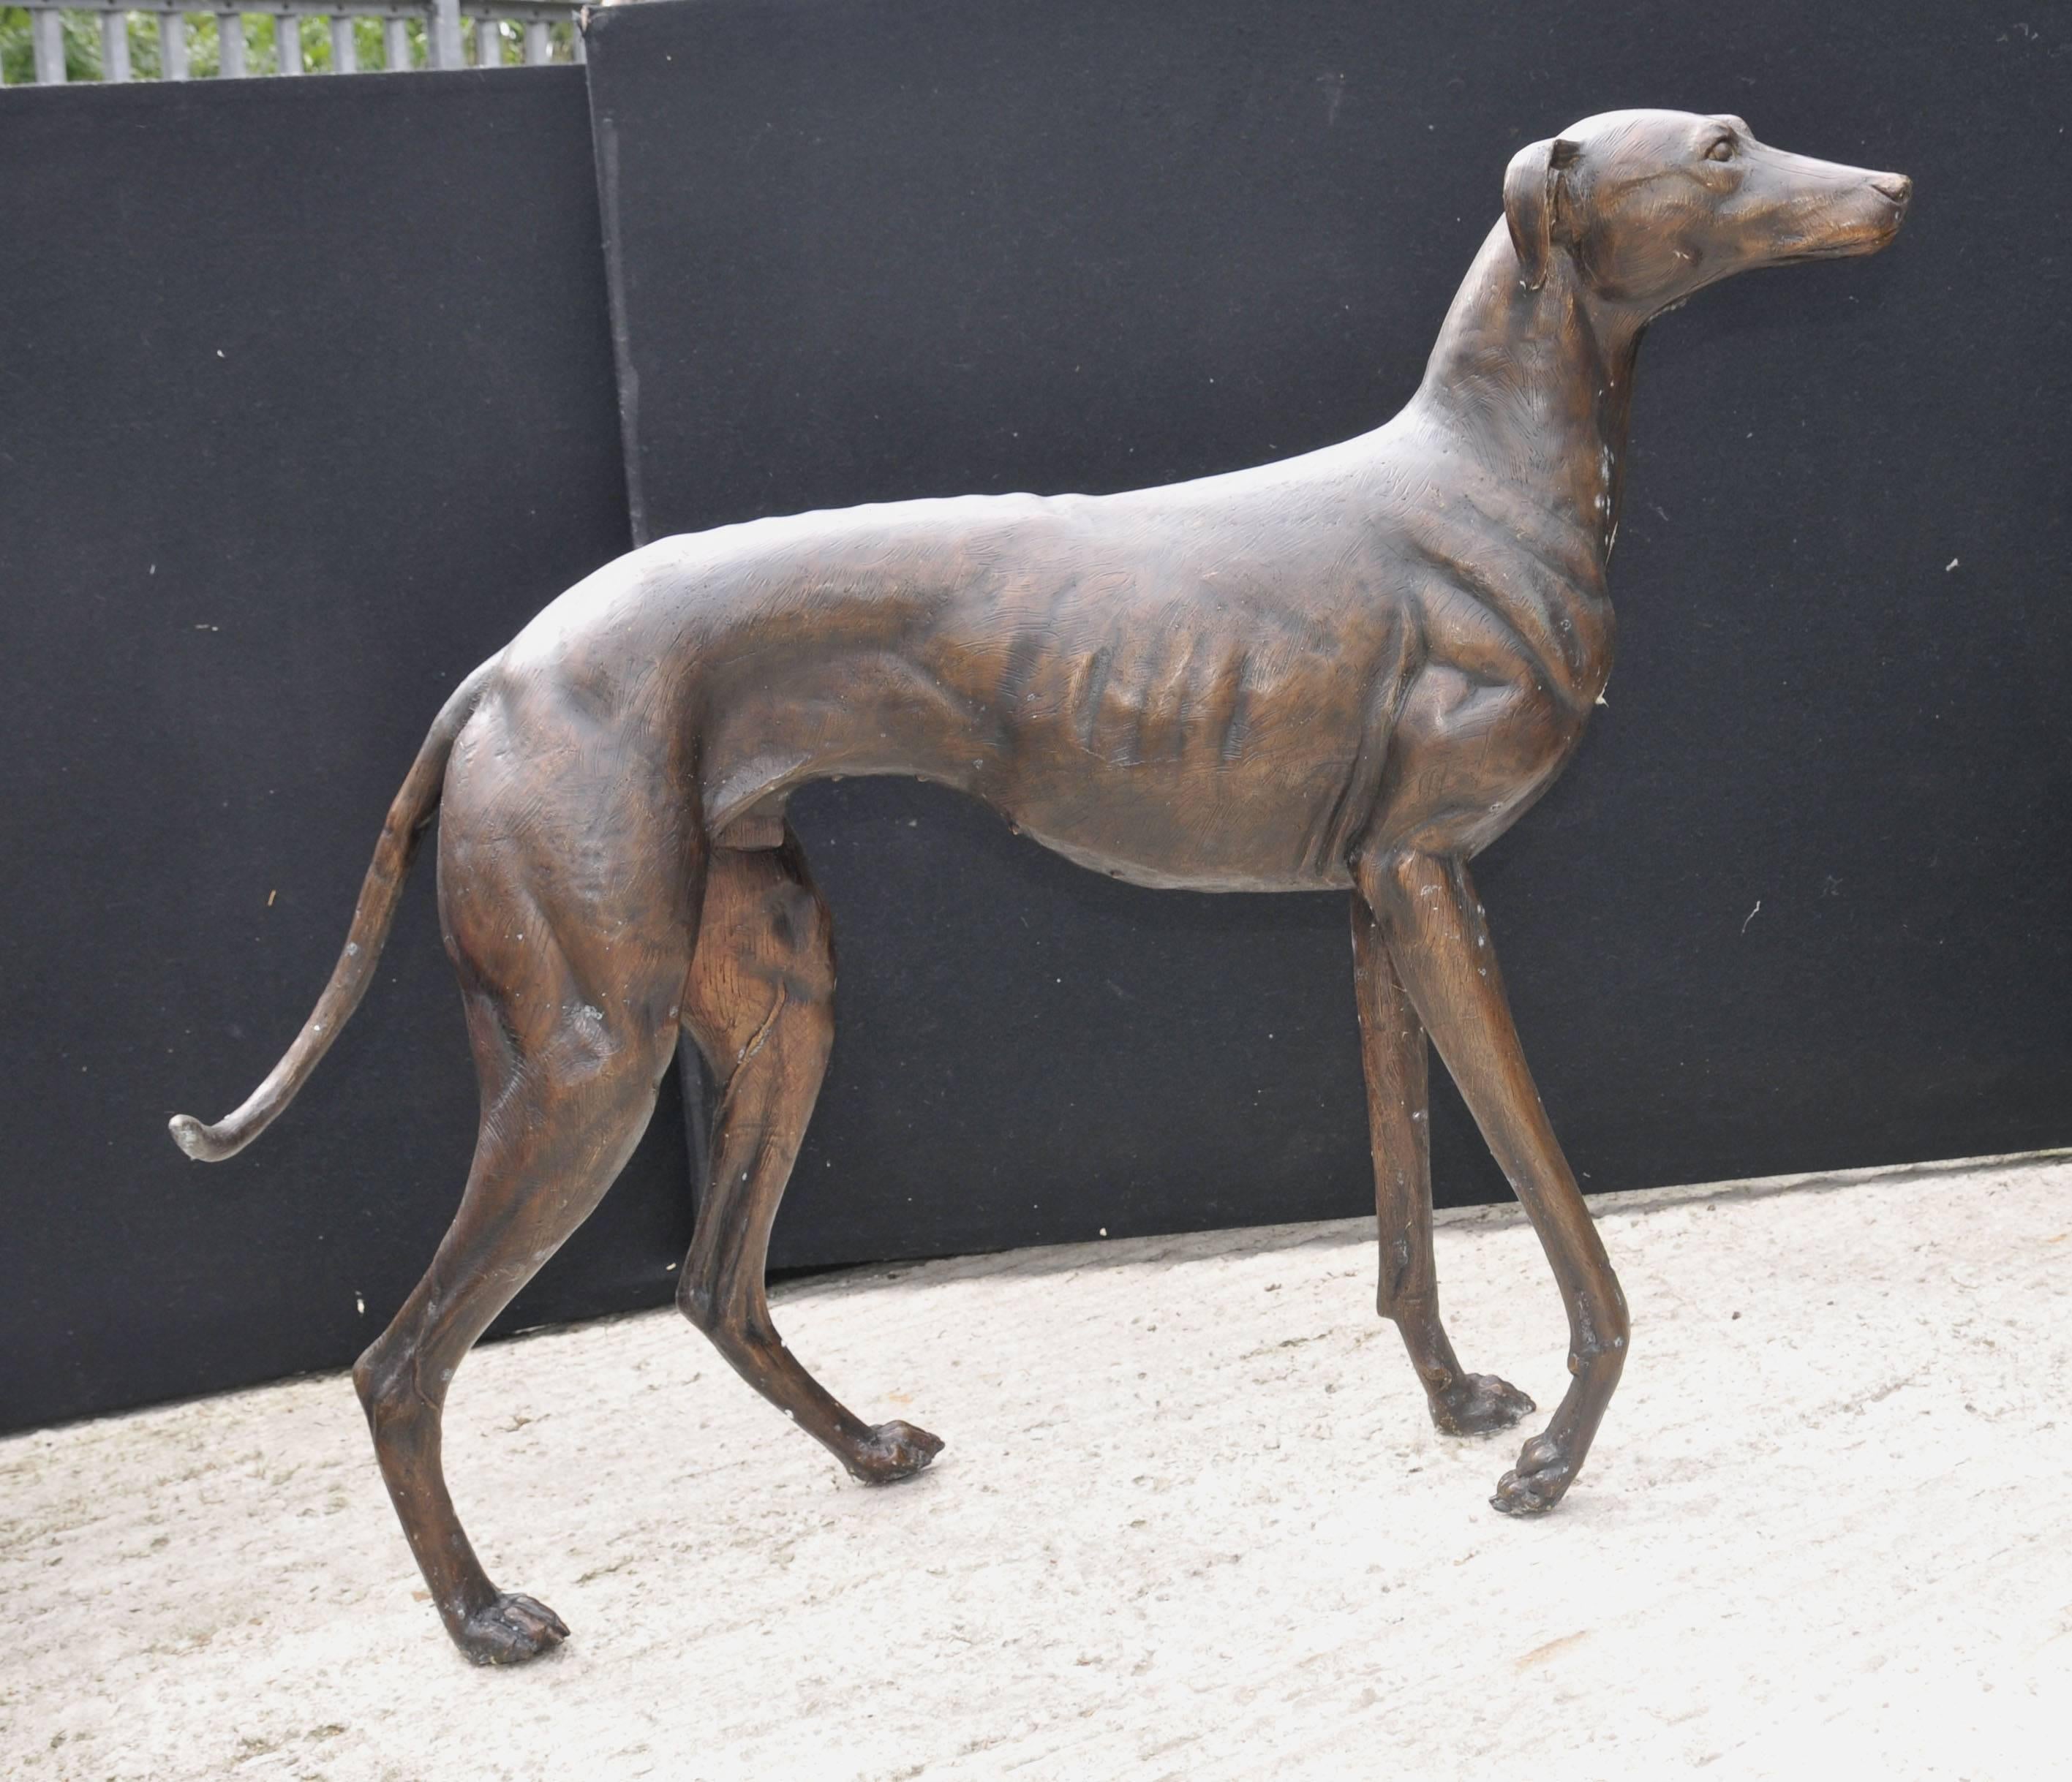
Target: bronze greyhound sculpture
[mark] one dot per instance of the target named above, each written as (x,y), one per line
(1352,669)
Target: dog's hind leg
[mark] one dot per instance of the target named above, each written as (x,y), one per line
(760,1003)
(561,1111)
(1394,1051)
(1433,927)
(572,976)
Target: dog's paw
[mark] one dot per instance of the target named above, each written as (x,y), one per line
(1535,1484)
(509,1631)
(893,1451)
(1479,1404)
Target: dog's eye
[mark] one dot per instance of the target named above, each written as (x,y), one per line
(1721,150)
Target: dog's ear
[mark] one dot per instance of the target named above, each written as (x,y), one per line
(1535,195)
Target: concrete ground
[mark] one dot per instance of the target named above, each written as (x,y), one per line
(1191,1523)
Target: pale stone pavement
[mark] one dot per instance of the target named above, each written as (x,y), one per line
(1192,1523)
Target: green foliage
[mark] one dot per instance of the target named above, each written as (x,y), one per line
(83,44)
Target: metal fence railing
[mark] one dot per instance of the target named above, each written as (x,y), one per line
(114,40)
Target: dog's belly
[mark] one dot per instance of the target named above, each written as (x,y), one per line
(1206,767)
(1189,741)
(1263,827)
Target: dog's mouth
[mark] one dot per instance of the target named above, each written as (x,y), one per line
(1861,239)
(1850,249)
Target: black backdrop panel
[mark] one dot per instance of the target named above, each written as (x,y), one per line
(307,402)
(1799,904)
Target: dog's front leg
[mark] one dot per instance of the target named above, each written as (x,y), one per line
(1394,1053)
(1435,932)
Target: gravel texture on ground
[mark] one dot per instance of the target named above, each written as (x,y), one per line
(1192,1523)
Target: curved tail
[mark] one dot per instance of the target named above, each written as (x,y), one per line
(409,817)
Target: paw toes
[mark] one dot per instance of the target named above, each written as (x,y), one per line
(1480,1404)
(510,1631)
(919,1441)
(1535,1484)
(1515,1496)
(896,1451)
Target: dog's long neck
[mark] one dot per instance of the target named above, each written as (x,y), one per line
(1537,384)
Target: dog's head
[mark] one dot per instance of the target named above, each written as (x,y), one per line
(1652,205)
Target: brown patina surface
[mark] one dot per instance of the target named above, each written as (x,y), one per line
(1352,669)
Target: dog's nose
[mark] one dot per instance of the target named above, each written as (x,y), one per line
(1895,185)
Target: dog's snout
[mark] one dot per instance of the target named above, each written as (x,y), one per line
(1895,185)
